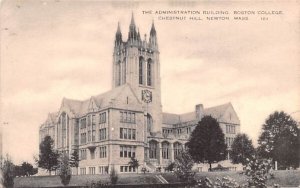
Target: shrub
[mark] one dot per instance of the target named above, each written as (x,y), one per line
(257,171)
(65,172)
(99,184)
(113,176)
(183,167)
(226,182)
(7,170)
(144,170)
(170,167)
(204,183)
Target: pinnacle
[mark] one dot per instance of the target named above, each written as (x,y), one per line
(132,19)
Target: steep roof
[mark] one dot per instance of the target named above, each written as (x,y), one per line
(216,112)
(168,118)
(101,101)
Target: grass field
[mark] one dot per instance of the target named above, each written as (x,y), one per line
(41,181)
(283,178)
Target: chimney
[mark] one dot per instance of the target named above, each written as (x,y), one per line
(199,111)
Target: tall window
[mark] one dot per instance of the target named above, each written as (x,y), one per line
(102,134)
(124,71)
(83,123)
(126,133)
(141,72)
(102,117)
(149,72)
(230,129)
(102,152)
(118,73)
(177,149)
(165,150)
(127,151)
(152,149)
(127,117)
(64,124)
(149,123)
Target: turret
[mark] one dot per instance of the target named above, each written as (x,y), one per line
(153,38)
(118,39)
(132,34)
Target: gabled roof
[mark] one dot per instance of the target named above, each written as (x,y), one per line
(53,117)
(103,100)
(51,120)
(168,118)
(216,112)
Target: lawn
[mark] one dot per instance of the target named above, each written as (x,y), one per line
(42,181)
(290,178)
(283,178)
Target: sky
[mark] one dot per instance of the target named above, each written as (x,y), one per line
(55,49)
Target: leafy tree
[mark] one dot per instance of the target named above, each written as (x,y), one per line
(48,158)
(113,176)
(207,143)
(18,171)
(134,163)
(74,161)
(7,171)
(241,149)
(183,167)
(26,169)
(65,172)
(279,140)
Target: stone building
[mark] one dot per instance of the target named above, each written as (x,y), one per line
(127,121)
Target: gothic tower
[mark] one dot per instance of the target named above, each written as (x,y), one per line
(136,62)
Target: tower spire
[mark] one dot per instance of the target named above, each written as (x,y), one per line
(153,38)
(152,31)
(118,39)
(132,35)
(118,29)
(132,23)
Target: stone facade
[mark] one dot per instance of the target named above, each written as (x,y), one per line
(128,121)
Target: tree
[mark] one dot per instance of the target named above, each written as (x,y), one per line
(7,172)
(183,167)
(113,176)
(134,163)
(74,161)
(279,140)
(26,169)
(241,149)
(48,158)
(207,143)
(65,172)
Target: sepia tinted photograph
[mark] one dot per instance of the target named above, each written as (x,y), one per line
(184,94)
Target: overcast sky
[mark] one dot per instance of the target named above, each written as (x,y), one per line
(56,49)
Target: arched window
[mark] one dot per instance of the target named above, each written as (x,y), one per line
(149,72)
(165,150)
(141,70)
(118,71)
(177,149)
(124,71)
(153,149)
(64,124)
(149,122)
